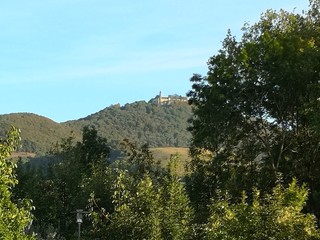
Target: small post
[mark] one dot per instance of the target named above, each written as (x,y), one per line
(79,221)
(79,231)
(80,213)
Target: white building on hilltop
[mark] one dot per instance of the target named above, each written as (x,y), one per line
(166,100)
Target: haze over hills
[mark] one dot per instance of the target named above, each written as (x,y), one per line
(159,125)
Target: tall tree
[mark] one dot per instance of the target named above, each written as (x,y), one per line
(257,110)
(15,217)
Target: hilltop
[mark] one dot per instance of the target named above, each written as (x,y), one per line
(157,125)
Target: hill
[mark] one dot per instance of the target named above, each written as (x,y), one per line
(37,133)
(140,122)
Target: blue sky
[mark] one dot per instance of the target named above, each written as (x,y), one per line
(66,59)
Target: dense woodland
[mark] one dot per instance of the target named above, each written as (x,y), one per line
(254,170)
(141,122)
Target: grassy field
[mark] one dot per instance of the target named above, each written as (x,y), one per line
(164,154)
(22,155)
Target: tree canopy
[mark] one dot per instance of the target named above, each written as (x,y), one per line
(257,109)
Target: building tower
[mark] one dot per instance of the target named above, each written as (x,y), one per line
(160,98)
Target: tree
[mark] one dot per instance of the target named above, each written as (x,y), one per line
(273,216)
(15,217)
(257,110)
(137,210)
(93,148)
(177,213)
(140,160)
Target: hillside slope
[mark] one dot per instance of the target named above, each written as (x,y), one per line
(141,122)
(37,133)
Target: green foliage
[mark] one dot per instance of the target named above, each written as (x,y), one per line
(134,198)
(140,160)
(273,216)
(257,110)
(159,126)
(177,213)
(146,206)
(147,212)
(37,133)
(141,122)
(76,171)
(137,212)
(15,217)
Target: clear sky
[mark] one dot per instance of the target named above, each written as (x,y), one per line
(66,59)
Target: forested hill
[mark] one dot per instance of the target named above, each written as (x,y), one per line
(142,122)
(37,133)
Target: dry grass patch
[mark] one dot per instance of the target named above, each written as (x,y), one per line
(163,155)
(22,155)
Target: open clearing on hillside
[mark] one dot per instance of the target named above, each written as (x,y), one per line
(22,155)
(163,155)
